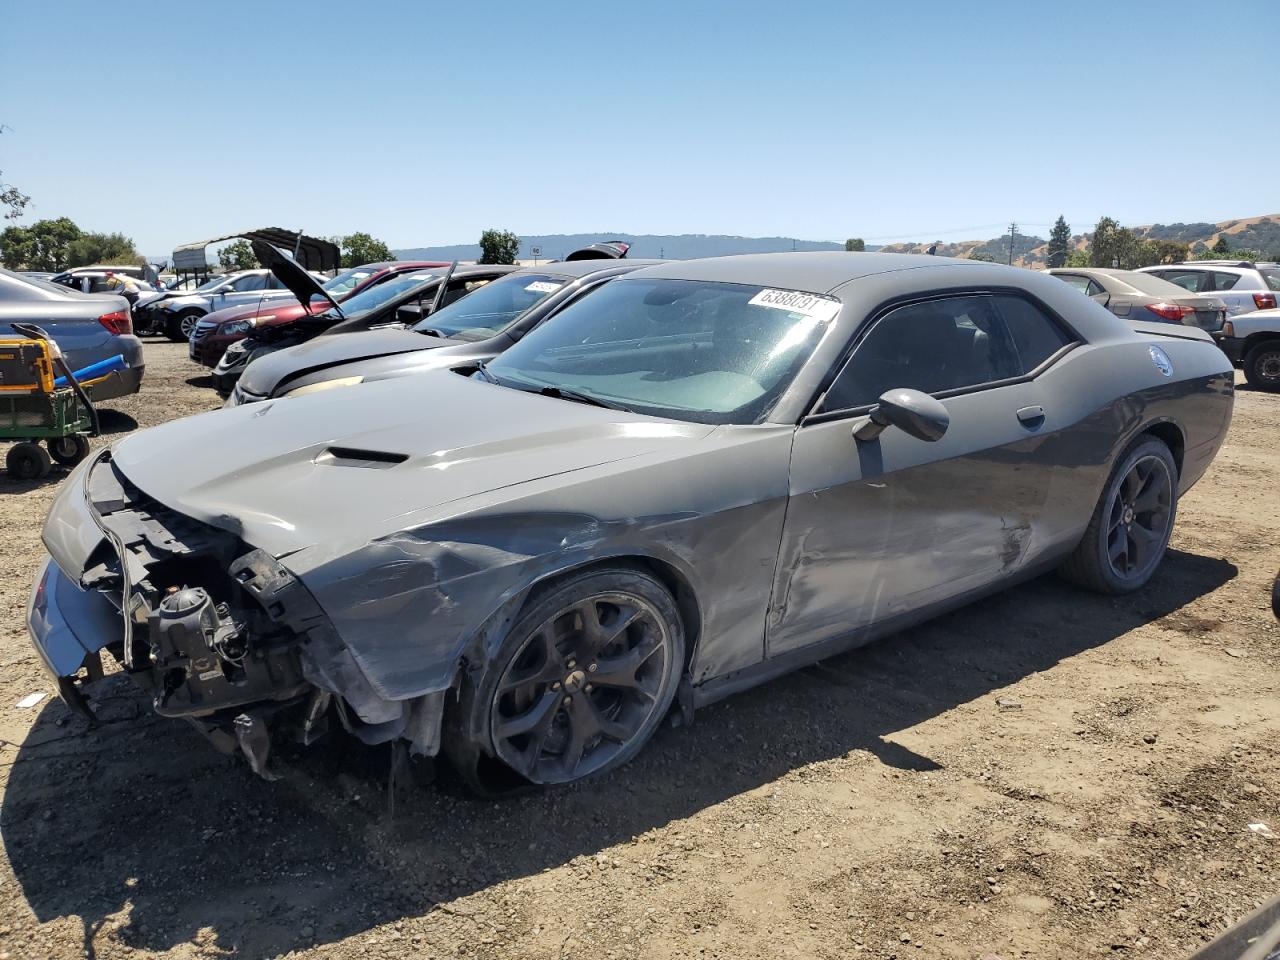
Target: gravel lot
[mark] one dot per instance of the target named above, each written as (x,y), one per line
(1046,774)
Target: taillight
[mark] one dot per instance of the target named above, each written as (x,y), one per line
(1265,301)
(1170,311)
(118,322)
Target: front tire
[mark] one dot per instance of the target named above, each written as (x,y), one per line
(1262,366)
(180,328)
(1131,525)
(584,678)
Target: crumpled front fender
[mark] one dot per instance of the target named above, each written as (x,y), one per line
(66,623)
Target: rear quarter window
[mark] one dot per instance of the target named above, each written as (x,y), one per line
(1036,336)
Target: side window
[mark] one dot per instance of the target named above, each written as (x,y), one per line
(255,281)
(1193,280)
(1036,336)
(1225,281)
(1094,289)
(935,346)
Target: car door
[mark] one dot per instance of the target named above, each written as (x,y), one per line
(243,290)
(891,528)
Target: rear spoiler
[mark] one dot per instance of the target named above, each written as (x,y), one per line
(1179,331)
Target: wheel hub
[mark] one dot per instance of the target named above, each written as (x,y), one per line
(1128,516)
(574,681)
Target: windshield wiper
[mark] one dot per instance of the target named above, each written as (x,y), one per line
(560,393)
(432,332)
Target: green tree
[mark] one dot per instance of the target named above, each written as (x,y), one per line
(855,245)
(499,246)
(238,255)
(1077,258)
(41,246)
(111,248)
(1221,246)
(1059,243)
(982,257)
(1114,246)
(1153,252)
(12,199)
(360,248)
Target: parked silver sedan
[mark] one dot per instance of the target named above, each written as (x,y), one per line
(698,477)
(1141,296)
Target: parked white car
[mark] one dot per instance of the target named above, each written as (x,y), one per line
(1252,341)
(1242,285)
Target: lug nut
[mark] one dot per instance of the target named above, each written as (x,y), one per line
(556,685)
(568,700)
(571,663)
(589,687)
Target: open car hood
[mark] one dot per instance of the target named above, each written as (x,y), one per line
(608,250)
(348,466)
(267,372)
(289,272)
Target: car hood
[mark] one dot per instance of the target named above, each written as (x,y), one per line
(342,467)
(266,373)
(282,313)
(180,300)
(296,280)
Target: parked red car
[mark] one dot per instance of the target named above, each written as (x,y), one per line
(218,330)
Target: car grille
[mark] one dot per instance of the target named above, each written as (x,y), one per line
(203,329)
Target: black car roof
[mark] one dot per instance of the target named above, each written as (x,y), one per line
(581,268)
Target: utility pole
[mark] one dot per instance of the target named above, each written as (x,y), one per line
(1013,233)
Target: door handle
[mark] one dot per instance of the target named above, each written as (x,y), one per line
(1031,416)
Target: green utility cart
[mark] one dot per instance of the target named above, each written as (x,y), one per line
(35,407)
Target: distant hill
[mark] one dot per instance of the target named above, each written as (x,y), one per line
(687,246)
(1252,233)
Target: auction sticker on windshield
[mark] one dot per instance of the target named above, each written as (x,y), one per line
(810,305)
(543,286)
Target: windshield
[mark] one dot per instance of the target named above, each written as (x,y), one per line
(346,282)
(367,301)
(211,284)
(689,350)
(491,309)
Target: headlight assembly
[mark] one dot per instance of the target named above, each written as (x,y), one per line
(324,385)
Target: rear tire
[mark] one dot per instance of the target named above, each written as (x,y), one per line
(1262,366)
(584,678)
(28,461)
(69,451)
(1131,525)
(179,328)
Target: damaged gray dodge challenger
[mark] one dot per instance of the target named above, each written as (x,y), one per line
(698,477)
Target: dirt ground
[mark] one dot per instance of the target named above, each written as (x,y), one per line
(1046,774)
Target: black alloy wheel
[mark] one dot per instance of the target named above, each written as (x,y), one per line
(593,671)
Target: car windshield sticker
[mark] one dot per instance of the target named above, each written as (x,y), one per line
(819,309)
(543,286)
(1162,361)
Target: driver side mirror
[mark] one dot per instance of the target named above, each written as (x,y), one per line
(914,413)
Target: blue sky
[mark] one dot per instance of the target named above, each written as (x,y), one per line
(424,123)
